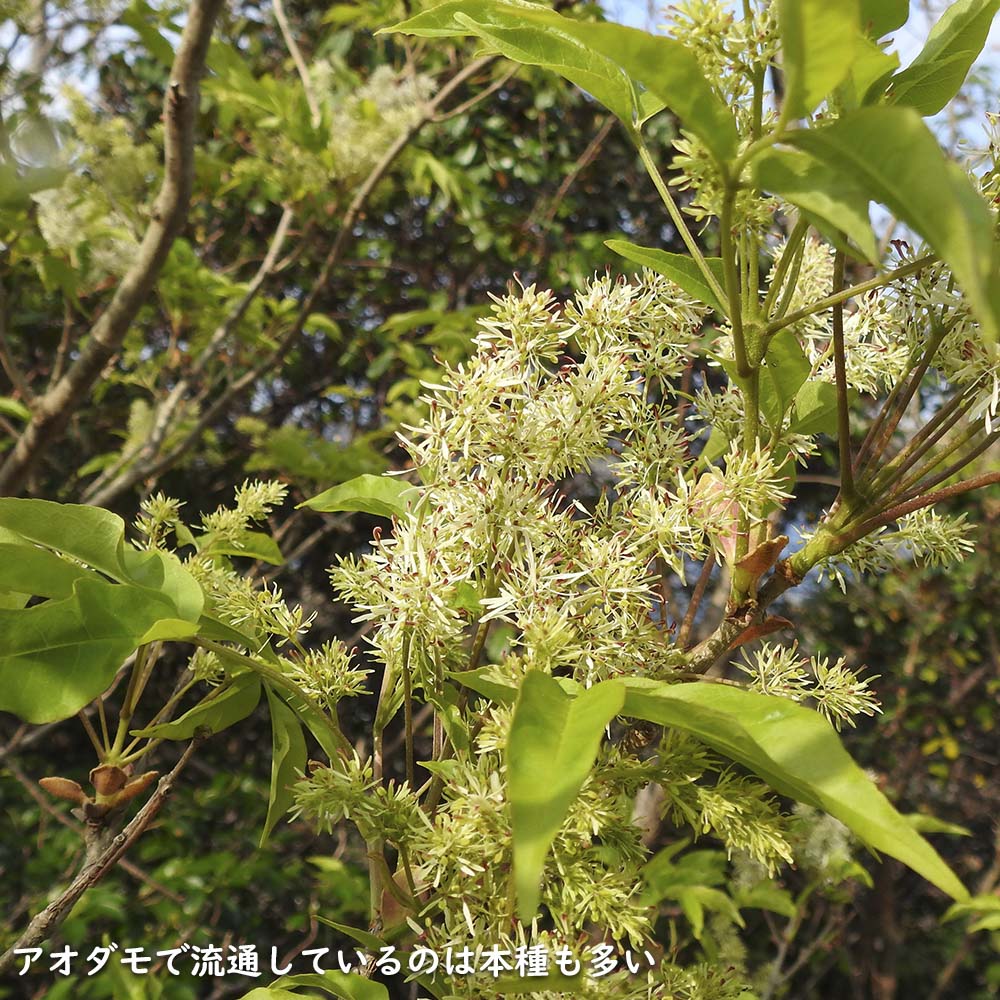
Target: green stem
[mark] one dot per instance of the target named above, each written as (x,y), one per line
(677,218)
(128,704)
(278,679)
(848,293)
(791,250)
(847,490)
(731,272)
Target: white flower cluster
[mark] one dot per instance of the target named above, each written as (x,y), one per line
(548,393)
(925,536)
(838,692)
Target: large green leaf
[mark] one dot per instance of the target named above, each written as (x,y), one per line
(940,69)
(798,753)
(879,17)
(892,156)
(57,656)
(97,537)
(868,76)
(679,268)
(288,760)
(827,197)
(553,741)
(220,711)
(90,534)
(818,40)
(164,573)
(605,59)
(28,569)
(383,495)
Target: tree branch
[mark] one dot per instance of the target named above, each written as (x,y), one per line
(113,481)
(221,401)
(45,923)
(53,410)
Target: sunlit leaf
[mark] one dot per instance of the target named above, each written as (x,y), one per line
(551,748)
(797,753)
(818,40)
(383,495)
(679,268)
(939,70)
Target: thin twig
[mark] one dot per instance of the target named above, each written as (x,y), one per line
(222,399)
(111,482)
(46,922)
(468,105)
(60,817)
(300,63)
(699,592)
(52,411)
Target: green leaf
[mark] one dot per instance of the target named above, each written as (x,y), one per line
(879,17)
(90,534)
(97,538)
(314,720)
(553,741)
(815,409)
(346,985)
(605,59)
(940,69)
(28,569)
(492,683)
(164,573)
(894,158)
(233,704)
(57,656)
(679,268)
(663,877)
(798,753)
(696,899)
(139,17)
(766,896)
(785,369)
(248,544)
(383,495)
(827,197)
(973,906)
(288,760)
(869,75)
(818,40)
(365,938)
(504,27)
(924,823)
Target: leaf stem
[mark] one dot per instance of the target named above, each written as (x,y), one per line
(279,679)
(847,491)
(790,252)
(822,305)
(676,217)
